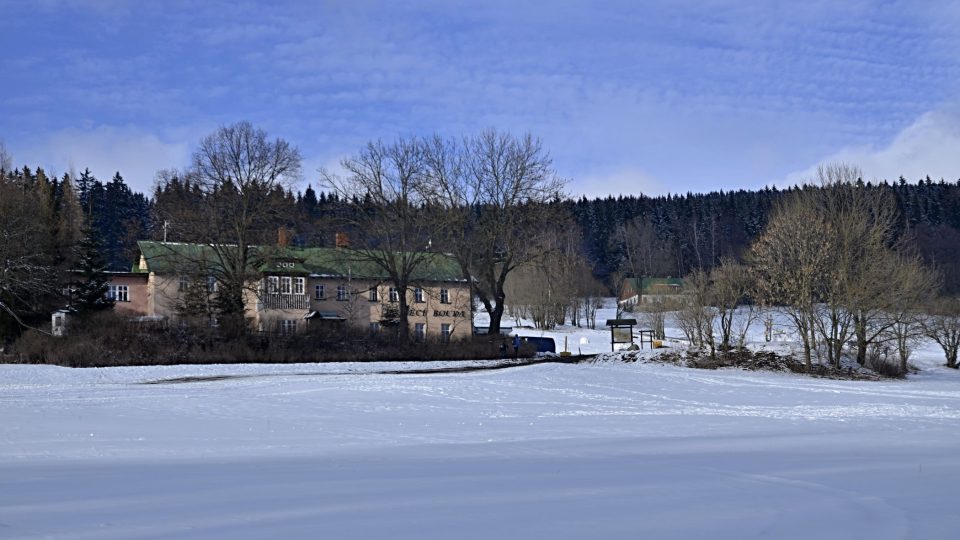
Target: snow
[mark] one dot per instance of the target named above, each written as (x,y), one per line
(605,450)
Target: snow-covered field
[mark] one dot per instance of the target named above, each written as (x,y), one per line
(548,451)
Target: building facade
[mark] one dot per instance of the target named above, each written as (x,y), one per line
(293,289)
(650,290)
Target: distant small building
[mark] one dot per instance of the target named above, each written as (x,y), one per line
(59,322)
(650,290)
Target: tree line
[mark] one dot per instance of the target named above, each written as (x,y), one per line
(491,200)
(672,235)
(838,263)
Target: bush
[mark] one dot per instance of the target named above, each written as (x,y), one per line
(110,340)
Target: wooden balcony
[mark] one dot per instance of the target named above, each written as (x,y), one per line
(284,301)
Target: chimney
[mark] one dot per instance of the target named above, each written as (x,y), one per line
(342,240)
(283,237)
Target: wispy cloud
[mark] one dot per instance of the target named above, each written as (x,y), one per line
(699,95)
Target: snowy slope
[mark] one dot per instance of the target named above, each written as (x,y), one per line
(547,451)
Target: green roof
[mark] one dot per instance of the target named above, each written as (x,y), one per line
(185,258)
(650,283)
(653,285)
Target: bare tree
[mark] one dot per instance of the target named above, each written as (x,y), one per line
(644,252)
(832,259)
(862,224)
(696,317)
(654,315)
(592,293)
(943,326)
(912,287)
(238,175)
(733,286)
(493,189)
(391,231)
(789,261)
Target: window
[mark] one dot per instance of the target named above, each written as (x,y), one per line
(445,333)
(374,296)
(394,295)
(211,284)
(342,293)
(444,296)
(288,326)
(375,327)
(418,295)
(419,332)
(184,283)
(285,285)
(273,284)
(299,284)
(119,293)
(318,292)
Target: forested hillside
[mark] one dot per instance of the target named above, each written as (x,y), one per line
(674,234)
(668,235)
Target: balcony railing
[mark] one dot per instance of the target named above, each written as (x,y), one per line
(285,301)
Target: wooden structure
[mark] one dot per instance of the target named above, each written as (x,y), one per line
(621,332)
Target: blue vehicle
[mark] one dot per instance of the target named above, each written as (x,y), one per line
(543,344)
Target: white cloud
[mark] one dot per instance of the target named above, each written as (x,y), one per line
(624,181)
(929,146)
(136,154)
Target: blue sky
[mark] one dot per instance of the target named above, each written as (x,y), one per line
(630,97)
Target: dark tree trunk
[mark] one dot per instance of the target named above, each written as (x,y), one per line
(860,328)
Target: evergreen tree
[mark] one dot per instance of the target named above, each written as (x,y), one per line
(89,293)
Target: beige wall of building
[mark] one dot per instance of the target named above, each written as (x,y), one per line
(438,304)
(130,293)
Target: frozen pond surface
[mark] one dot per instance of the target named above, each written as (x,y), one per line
(564,451)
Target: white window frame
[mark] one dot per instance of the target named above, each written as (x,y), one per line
(444,296)
(319,292)
(418,295)
(118,293)
(273,285)
(183,283)
(286,284)
(374,295)
(394,294)
(445,332)
(420,332)
(288,326)
(211,284)
(299,285)
(342,293)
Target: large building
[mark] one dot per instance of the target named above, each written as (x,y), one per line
(294,288)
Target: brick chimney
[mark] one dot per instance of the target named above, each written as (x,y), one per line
(283,237)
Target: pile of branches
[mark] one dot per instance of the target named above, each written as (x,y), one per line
(746,359)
